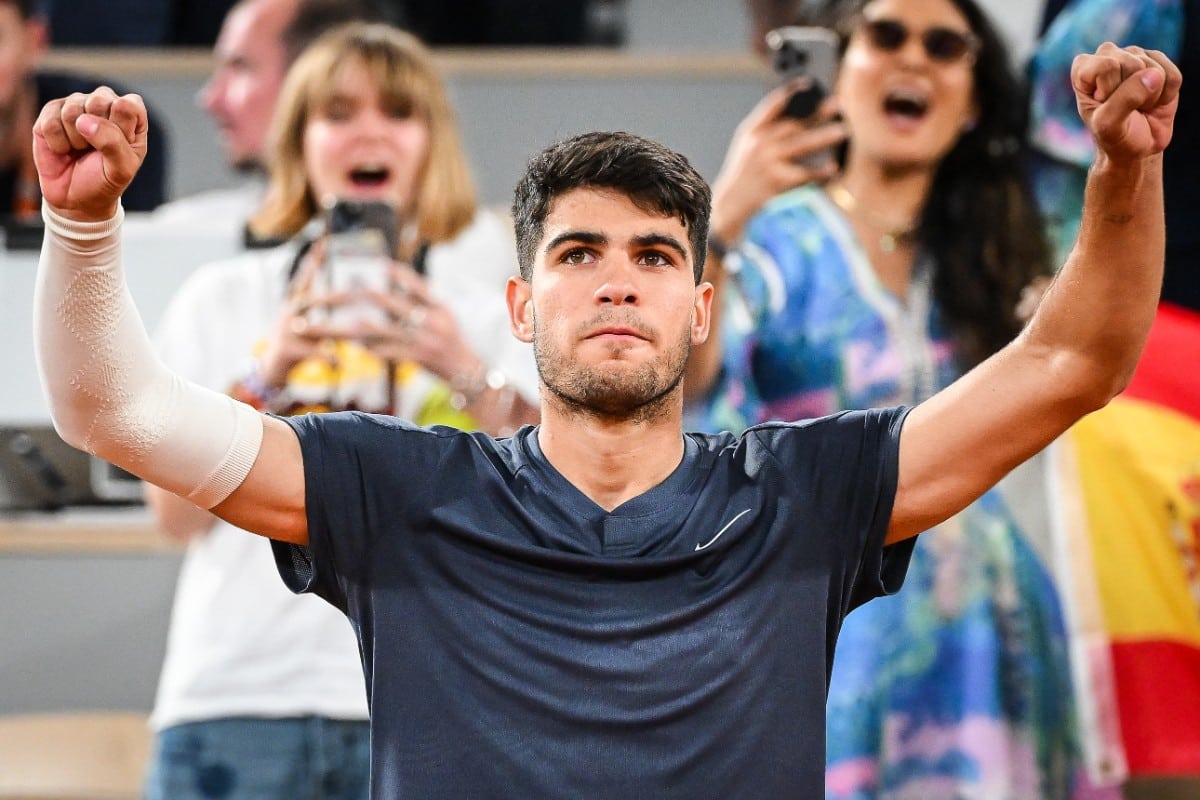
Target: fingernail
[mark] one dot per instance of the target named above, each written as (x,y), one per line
(86,124)
(1151,79)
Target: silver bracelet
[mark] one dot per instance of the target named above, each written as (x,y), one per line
(466,388)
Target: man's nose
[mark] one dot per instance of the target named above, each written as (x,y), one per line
(620,283)
(206,96)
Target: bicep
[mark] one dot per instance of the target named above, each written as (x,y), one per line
(271,500)
(963,440)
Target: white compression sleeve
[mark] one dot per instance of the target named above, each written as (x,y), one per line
(109,394)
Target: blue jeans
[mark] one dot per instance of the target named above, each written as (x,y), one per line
(305,758)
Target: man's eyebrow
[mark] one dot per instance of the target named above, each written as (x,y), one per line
(597,238)
(661,240)
(583,237)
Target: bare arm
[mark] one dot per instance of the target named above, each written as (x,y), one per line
(177,518)
(763,160)
(109,394)
(1082,345)
(183,520)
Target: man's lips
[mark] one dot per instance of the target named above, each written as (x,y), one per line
(616,331)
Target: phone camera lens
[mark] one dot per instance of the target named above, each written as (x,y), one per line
(789,61)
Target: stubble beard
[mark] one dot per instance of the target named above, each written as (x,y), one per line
(638,395)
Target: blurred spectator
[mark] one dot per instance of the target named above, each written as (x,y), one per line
(24,89)
(259,39)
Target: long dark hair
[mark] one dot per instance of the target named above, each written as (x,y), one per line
(980,224)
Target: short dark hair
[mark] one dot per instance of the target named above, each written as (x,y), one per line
(315,17)
(653,177)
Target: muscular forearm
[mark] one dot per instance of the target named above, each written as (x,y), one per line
(1084,341)
(1096,315)
(108,393)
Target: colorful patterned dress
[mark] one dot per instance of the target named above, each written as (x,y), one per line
(958,686)
(1062,145)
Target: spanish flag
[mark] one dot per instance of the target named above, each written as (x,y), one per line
(1124,489)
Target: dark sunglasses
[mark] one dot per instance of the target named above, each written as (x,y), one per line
(944,45)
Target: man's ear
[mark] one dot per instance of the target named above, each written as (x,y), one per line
(520,308)
(702,313)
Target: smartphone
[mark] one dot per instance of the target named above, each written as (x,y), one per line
(810,53)
(360,246)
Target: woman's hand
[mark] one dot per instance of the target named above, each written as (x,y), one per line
(766,157)
(412,325)
(421,329)
(295,336)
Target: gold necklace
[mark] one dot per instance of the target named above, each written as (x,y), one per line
(890,237)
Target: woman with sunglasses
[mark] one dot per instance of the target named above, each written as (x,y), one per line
(876,282)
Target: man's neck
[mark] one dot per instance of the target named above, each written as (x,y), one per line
(611,461)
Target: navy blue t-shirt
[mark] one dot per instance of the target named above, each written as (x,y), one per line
(519,641)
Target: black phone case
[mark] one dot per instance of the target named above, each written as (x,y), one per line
(349,215)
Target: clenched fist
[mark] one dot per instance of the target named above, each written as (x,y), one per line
(1127,97)
(87,148)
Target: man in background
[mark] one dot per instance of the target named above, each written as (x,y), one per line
(24,89)
(259,40)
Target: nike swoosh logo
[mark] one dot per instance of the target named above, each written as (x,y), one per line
(700,547)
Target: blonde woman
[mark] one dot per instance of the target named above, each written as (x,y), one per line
(262,694)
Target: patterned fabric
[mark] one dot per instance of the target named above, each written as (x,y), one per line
(1063,147)
(959,685)
(810,330)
